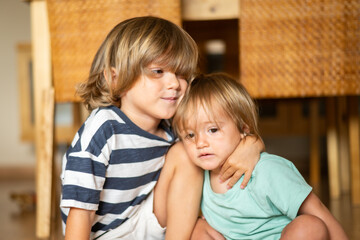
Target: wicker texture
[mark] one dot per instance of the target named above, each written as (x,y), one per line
(77,28)
(292,48)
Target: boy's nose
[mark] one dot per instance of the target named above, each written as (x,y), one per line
(174,82)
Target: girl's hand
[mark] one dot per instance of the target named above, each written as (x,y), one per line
(242,161)
(203,231)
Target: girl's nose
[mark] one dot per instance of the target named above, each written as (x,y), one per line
(201,141)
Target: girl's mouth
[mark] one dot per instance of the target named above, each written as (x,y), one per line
(205,155)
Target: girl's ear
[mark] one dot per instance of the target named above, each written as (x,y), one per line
(246,130)
(113,79)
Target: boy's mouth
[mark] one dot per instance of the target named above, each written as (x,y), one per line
(170,99)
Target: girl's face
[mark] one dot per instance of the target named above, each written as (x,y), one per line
(208,140)
(154,96)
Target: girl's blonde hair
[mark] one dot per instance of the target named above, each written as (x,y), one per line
(128,49)
(214,92)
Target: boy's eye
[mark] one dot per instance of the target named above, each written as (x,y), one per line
(157,71)
(179,76)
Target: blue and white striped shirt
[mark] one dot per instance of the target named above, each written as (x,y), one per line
(111,167)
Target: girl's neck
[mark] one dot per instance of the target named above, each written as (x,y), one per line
(216,185)
(215,171)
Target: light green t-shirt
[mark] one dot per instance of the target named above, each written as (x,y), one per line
(270,201)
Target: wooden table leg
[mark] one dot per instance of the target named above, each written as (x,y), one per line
(314,143)
(332,149)
(343,135)
(354,149)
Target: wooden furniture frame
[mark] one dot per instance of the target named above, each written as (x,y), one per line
(27,123)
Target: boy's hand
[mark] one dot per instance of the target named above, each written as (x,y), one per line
(203,231)
(242,161)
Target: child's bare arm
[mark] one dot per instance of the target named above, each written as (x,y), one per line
(78,224)
(313,206)
(242,161)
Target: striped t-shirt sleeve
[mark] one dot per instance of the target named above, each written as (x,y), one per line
(84,165)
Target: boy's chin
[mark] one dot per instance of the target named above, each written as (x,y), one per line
(168,115)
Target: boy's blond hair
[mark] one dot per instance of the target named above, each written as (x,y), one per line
(218,92)
(128,49)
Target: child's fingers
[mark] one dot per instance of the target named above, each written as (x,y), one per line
(246,180)
(224,168)
(237,175)
(226,173)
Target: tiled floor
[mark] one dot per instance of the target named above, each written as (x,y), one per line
(21,226)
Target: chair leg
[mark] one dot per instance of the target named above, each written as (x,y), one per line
(44,117)
(44,166)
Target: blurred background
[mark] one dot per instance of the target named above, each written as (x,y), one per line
(293,126)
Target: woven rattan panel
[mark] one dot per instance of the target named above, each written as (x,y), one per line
(292,48)
(77,28)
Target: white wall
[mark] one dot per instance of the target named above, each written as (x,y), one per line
(14,29)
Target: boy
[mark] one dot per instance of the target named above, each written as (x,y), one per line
(214,116)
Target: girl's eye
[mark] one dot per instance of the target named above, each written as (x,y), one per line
(213,130)
(190,136)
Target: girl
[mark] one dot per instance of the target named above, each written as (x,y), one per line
(215,116)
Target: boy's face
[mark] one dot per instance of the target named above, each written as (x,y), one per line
(208,140)
(155,95)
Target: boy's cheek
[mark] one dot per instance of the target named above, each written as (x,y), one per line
(183,87)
